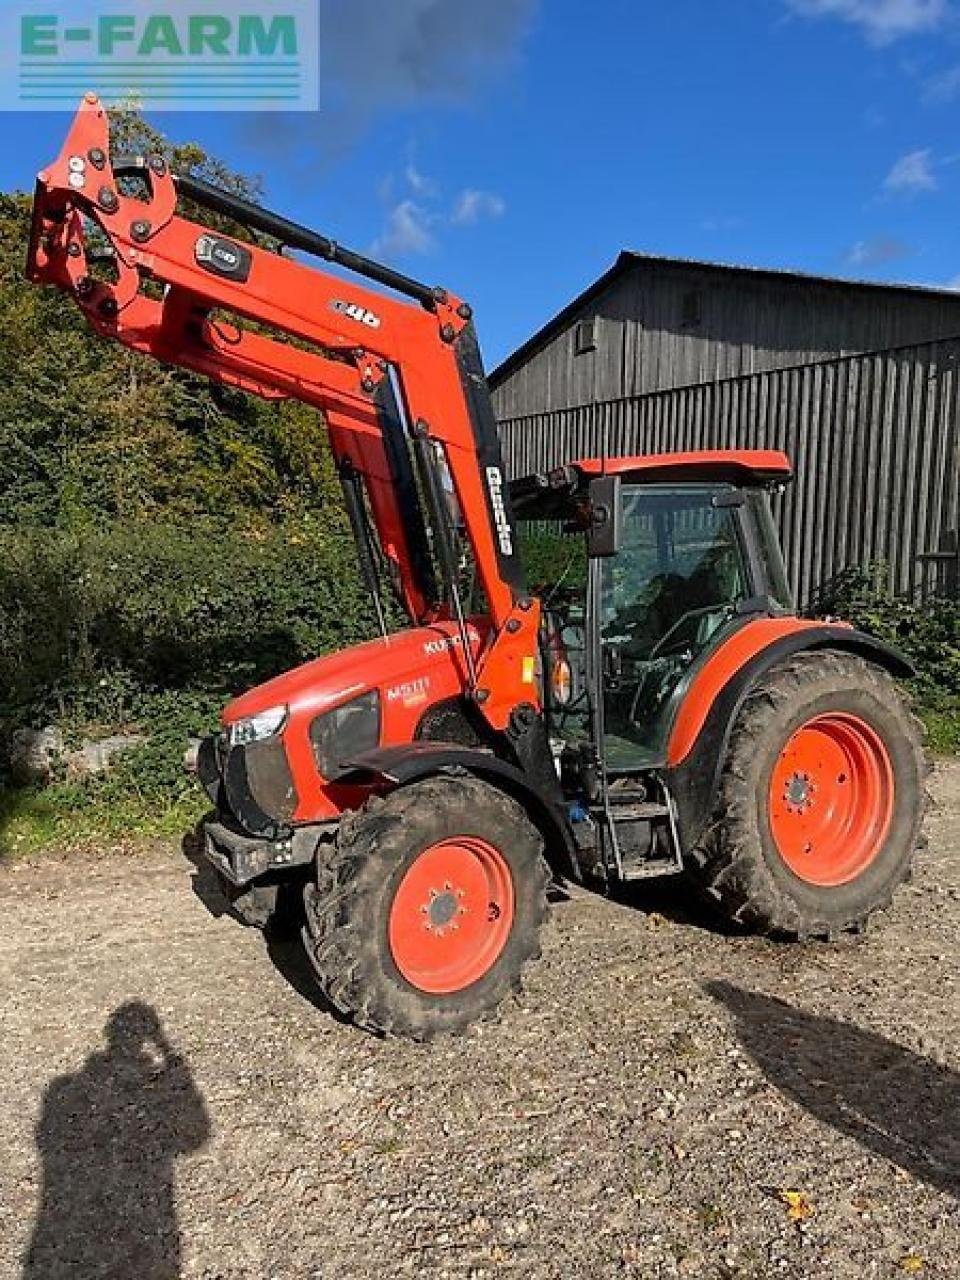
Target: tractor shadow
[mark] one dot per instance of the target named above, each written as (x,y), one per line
(892,1101)
(283,941)
(675,899)
(204,883)
(287,953)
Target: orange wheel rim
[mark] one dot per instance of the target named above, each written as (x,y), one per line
(831,799)
(451,915)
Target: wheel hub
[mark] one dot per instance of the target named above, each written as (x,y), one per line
(798,791)
(831,798)
(443,907)
(451,914)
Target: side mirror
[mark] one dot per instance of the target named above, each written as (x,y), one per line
(604,534)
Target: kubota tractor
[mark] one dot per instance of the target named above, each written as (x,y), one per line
(659,709)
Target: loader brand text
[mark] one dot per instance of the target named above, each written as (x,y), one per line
(356,312)
(172,55)
(500,517)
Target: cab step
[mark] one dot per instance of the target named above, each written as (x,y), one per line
(650,868)
(637,811)
(643,831)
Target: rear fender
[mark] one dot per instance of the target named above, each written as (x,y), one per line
(701,734)
(399,766)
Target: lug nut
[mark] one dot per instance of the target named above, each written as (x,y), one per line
(140,230)
(108,308)
(107,199)
(448,333)
(97,157)
(465,311)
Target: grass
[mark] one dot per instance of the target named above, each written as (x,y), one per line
(61,819)
(942,725)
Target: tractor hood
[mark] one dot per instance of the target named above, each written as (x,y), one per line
(421,657)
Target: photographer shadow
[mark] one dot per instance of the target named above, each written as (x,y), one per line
(109,1136)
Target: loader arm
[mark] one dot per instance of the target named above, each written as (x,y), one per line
(394,377)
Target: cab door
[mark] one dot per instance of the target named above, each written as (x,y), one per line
(664,599)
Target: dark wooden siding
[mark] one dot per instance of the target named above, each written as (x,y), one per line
(744,322)
(873,438)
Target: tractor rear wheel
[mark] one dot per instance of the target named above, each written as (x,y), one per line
(428,907)
(821,802)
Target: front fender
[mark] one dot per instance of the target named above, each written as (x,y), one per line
(398,766)
(701,732)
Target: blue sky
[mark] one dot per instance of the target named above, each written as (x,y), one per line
(509,149)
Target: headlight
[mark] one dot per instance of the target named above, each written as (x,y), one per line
(345,732)
(255,728)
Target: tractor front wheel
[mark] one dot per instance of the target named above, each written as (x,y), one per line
(821,801)
(427,909)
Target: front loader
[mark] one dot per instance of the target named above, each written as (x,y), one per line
(657,710)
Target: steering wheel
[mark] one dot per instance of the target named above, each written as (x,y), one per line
(658,649)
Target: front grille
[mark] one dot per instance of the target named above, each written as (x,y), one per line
(259,787)
(270,780)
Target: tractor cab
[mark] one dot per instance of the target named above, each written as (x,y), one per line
(649,565)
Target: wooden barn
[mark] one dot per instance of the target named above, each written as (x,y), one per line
(858,383)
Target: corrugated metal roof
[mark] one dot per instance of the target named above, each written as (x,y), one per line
(630,258)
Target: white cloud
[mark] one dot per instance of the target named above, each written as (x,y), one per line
(408,231)
(418,182)
(473,205)
(880,20)
(414,220)
(877,251)
(912,173)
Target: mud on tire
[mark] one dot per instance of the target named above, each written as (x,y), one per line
(348,911)
(739,866)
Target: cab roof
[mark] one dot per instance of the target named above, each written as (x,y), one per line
(756,466)
(542,495)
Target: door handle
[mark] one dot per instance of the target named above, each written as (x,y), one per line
(612,666)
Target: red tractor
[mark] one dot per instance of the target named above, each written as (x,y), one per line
(660,709)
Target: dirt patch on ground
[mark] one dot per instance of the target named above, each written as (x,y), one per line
(172,1103)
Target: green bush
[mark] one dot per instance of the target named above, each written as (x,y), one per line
(928,633)
(92,623)
(154,627)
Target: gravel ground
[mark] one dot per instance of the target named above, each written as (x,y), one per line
(173,1104)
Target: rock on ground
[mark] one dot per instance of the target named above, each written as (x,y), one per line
(173,1103)
(37,754)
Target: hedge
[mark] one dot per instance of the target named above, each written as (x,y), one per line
(92,622)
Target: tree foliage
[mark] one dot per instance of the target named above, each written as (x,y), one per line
(90,431)
(164,541)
